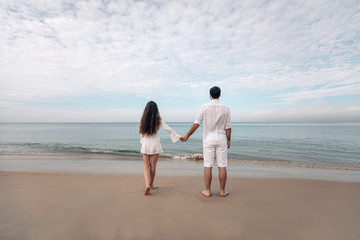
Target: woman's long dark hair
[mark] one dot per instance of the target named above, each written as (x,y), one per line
(150,120)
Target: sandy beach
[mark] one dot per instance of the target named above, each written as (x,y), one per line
(88,206)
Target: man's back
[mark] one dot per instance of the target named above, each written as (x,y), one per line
(216,118)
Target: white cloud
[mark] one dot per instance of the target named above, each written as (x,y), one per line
(20,112)
(301,80)
(322,92)
(301,114)
(58,48)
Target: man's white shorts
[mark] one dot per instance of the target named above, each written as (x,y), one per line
(210,150)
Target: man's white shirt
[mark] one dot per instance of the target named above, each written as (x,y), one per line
(216,119)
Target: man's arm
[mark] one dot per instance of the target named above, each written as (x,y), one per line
(190,132)
(228,136)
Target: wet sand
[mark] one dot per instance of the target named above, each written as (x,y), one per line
(132,164)
(88,206)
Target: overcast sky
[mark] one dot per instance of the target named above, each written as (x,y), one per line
(99,61)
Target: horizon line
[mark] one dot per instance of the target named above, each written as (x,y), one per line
(244,122)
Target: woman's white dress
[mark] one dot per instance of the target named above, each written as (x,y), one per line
(151,144)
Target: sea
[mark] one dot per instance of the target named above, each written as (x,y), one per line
(309,145)
(325,151)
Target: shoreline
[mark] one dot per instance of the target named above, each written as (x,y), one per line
(192,158)
(132,165)
(88,206)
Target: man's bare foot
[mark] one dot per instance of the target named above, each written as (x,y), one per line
(147,191)
(223,194)
(206,193)
(153,187)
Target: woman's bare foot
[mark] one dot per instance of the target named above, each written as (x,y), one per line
(223,194)
(206,193)
(153,187)
(147,191)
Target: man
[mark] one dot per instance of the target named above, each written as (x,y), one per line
(216,139)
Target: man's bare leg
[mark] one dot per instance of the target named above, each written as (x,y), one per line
(207,179)
(146,159)
(153,162)
(222,179)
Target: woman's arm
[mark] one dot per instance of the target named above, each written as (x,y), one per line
(174,136)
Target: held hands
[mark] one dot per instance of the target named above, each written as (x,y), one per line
(184,138)
(191,131)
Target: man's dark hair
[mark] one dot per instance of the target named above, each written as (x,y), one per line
(215,92)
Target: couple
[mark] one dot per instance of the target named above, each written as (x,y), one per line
(216,139)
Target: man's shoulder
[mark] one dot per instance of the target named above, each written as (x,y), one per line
(218,103)
(214,104)
(224,107)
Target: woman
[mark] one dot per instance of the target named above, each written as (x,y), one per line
(150,142)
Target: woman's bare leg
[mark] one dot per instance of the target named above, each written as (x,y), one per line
(146,159)
(153,162)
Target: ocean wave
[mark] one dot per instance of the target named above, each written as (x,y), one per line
(58,148)
(193,156)
(284,163)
